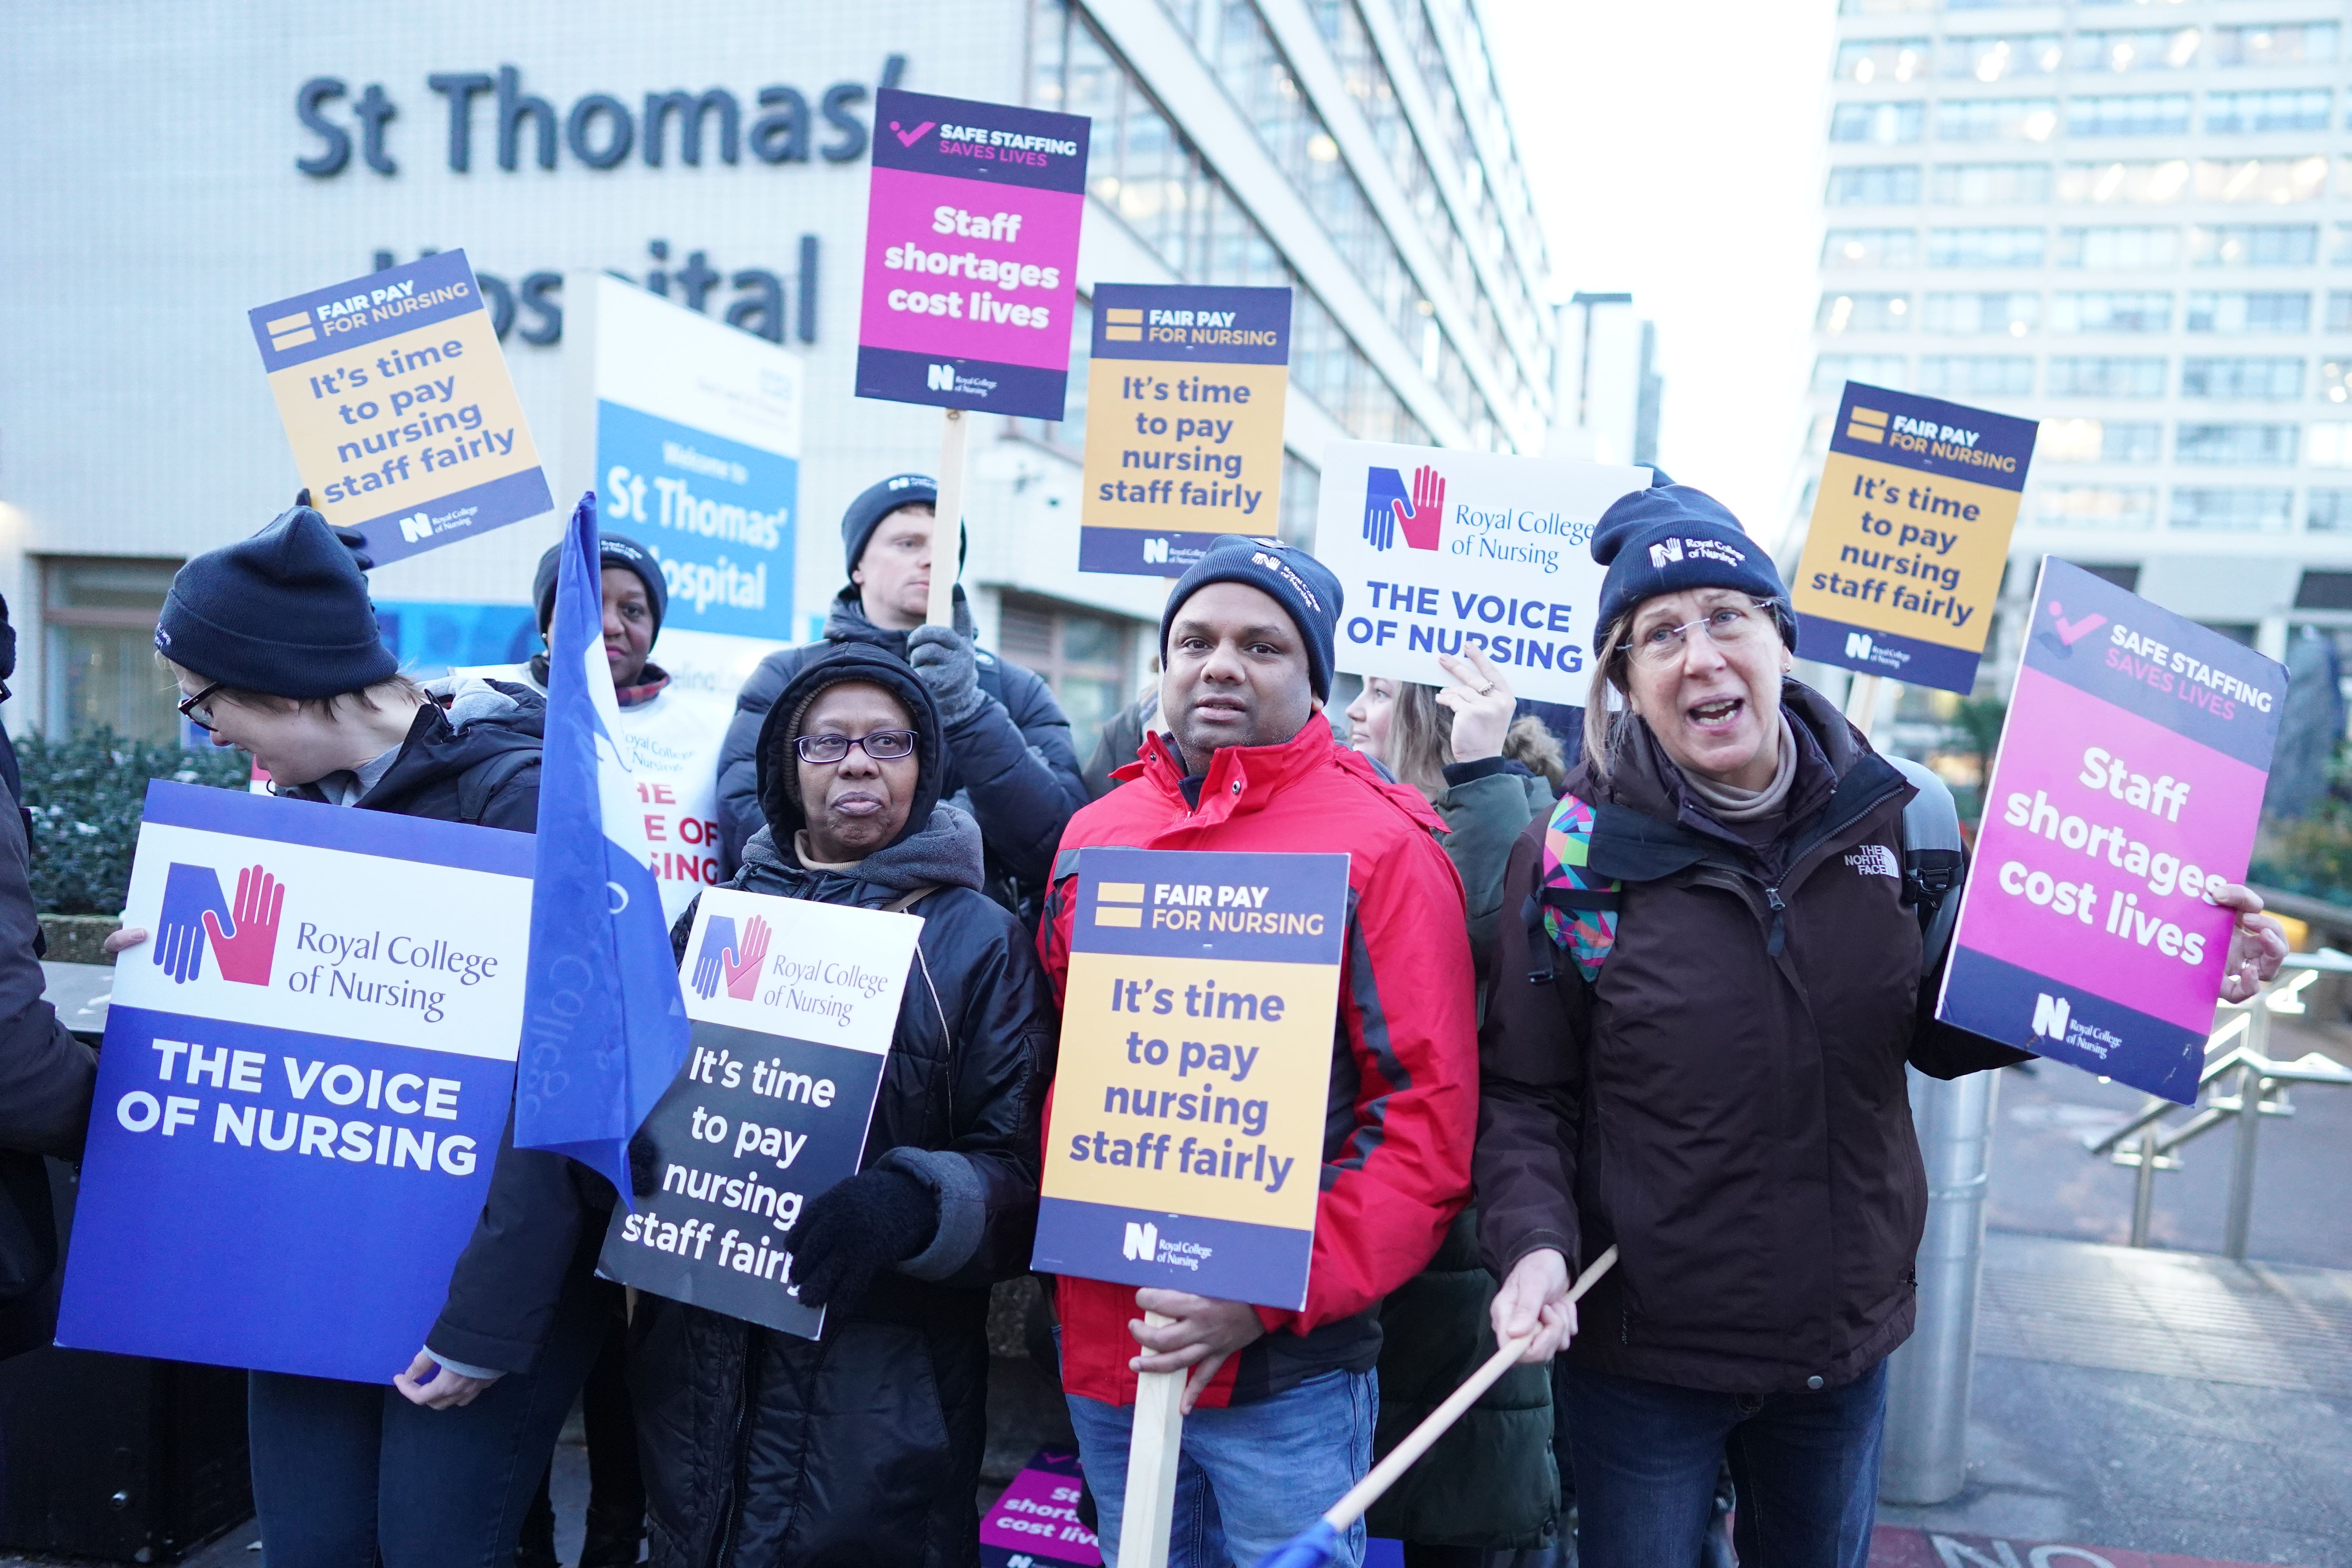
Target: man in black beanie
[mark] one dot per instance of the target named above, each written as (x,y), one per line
(1008,760)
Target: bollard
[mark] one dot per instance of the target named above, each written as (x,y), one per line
(1925,1456)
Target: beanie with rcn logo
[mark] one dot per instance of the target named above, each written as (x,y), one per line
(285,612)
(1671,538)
(1301,584)
(613,550)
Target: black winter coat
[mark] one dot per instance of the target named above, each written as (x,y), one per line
(1011,764)
(543,1221)
(1727,1103)
(766,1450)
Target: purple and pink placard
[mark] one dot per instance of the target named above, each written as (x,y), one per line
(971,255)
(2130,777)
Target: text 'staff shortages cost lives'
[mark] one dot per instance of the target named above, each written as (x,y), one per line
(1438,551)
(793,1006)
(1909,533)
(972,253)
(1184,1148)
(397,401)
(1184,397)
(306,1072)
(2130,778)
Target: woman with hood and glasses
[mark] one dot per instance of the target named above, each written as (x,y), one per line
(863,1445)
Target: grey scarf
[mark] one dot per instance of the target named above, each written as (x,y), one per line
(1730,804)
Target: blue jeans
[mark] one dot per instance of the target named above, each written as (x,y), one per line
(1646,1456)
(1251,1475)
(340,1469)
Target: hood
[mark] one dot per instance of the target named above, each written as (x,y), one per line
(854,660)
(846,623)
(468,721)
(944,853)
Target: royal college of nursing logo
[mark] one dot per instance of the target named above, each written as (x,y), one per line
(243,938)
(1388,511)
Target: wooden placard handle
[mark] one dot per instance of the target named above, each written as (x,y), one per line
(946,534)
(1152,1450)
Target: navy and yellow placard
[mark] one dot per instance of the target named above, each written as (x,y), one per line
(1909,533)
(1185,398)
(1185,1144)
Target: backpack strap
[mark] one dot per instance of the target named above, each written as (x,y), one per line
(1573,907)
(1933,857)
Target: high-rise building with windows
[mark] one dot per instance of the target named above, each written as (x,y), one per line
(1357,151)
(2132,222)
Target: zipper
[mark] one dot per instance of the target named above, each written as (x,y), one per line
(1778,936)
(722,1553)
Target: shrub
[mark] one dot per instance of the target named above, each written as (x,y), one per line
(86,795)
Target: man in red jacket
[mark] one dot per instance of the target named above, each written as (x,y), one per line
(1282,1404)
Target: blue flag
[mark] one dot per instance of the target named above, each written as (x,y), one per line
(605,1024)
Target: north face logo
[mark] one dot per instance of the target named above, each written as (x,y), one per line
(2050,1015)
(1665,553)
(1143,1241)
(1875,860)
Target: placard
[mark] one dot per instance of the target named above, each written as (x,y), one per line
(1184,1147)
(1035,1522)
(972,253)
(1184,395)
(793,1006)
(1436,550)
(306,1074)
(397,401)
(2130,774)
(1910,531)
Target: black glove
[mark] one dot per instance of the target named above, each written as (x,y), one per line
(849,1235)
(354,539)
(645,1166)
(943,657)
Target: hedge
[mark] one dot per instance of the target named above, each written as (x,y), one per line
(86,795)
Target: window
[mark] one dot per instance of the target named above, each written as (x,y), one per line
(1989,184)
(1831,371)
(2269,312)
(1996,120)
(1863,314)
(2117,507)
(2329,444)
(2262,379)
(2111,311)
(1961,375)
(2336,379)
(2143,184)
(2269,109)
(2128,114)
(2106,375)
(1886,184)
(1868,61)
(2124,50)
(1969,314)
(1884,123)
(1984,246)
(2241,446)
(1999,55)
(2276,44)
(98,618)
(2237,508)
(2328,511)
(2339,312)
(2269,180)
(1870,247)
(2099,441)
(2253,244)
(1087,659)
(2119,250)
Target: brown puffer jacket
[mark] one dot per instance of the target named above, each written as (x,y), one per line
(1726,1102)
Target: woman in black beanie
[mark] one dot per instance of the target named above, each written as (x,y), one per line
(275,646)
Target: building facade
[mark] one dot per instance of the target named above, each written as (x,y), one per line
(2133,223)
(1354,150)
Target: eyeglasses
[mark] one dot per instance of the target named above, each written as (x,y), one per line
(193,711)
(883,746)
(1728,626)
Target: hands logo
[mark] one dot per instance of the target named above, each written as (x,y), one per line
(194,911)
(719,958)
(1386,507)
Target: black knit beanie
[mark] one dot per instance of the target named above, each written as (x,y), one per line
(613,550)
(285,612)
(1298,583)
(878,500)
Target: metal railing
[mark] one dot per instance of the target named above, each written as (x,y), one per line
(2241,1084)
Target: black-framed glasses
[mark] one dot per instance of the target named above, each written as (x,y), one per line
(193,711)
(883,746)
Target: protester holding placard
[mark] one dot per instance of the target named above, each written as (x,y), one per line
(865,1444)
(1695,1052)
(275,646)
(1005,743)
(1282,1403)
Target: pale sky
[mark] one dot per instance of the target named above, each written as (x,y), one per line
(1675,150)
